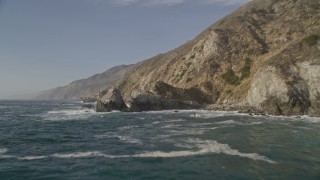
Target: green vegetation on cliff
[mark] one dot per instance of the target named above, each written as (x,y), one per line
(312,39)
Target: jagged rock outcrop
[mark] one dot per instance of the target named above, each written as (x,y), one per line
(190,94)
(147,101)
(110,101)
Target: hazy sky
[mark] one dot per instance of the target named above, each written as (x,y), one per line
(49,43)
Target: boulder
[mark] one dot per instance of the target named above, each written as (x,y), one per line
(110,101)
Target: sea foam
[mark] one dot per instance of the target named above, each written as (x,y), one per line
(194,147)
(68,114)
(201,148)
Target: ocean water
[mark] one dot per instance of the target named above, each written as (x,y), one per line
(49,140)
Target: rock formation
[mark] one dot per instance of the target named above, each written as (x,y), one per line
(147,101)
(110,101)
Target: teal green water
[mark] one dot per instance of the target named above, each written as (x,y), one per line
(49,140)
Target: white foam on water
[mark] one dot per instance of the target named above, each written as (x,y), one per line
(255,123)
(201,147)
(210,146)
(160,112)
(227,122)
(311,119)
(194,147)
(32,157)
(196,115)
(170,126)
(4,107)
(127,127)
(166,154)
(71,112)
(128,139)
(202,124)
(68,114)
(213,114)
(79,155)
(4,156)
(172,121)
(3,150)
(212,128)
(239,123)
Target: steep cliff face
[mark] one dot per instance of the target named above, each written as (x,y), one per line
(89,87)
(264,55)
(289,83)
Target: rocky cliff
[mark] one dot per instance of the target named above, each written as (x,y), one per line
(264,56)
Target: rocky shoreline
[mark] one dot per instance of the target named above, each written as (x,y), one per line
(112,100)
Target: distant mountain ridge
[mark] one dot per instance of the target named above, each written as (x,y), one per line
(89,87)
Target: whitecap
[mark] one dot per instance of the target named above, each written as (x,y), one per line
(71,112)
(255,123)
(68,114)
(209,146)
(32,157)
(128,139)
(212,128)
(4,156)
(239,123)
(311,119)
(79,155)
(3,150)
(201,148)
(195,147)
(213,114)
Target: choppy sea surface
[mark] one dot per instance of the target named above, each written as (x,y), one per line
(52,140)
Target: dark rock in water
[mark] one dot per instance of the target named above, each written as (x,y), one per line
(87,106)
(147,101)
(111,101)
